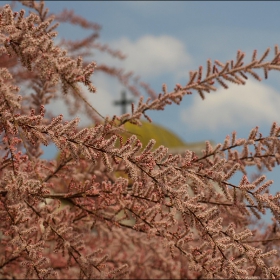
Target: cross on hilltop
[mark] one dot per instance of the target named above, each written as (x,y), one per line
(123,102)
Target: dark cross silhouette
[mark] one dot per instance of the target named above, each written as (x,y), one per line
(123,102)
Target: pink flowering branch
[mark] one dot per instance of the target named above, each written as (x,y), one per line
(106,208)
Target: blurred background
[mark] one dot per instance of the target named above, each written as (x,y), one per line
(163,41)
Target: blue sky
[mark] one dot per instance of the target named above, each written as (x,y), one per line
(164,40)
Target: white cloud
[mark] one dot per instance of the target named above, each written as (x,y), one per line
(152,56)
(239,106)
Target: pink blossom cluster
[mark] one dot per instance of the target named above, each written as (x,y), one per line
(168,216)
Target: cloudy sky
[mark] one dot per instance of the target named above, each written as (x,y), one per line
(163,41)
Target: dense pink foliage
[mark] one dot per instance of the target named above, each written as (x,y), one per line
(177,216)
